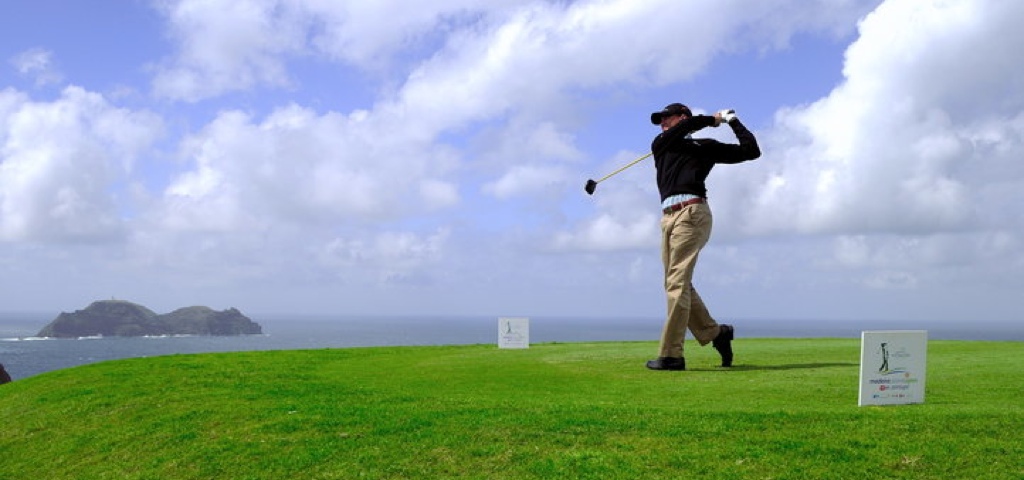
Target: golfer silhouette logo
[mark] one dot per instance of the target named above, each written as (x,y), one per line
(885,358)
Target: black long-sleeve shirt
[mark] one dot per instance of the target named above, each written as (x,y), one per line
(684,163)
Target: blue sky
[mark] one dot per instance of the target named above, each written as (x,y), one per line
(341,158)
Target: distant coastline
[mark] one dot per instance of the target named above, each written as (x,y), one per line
(26,355)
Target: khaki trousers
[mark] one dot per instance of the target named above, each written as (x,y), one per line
(683,234)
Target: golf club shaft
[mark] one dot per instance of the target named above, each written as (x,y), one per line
(630,164)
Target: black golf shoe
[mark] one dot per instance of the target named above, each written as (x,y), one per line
(667,363)
(723,343)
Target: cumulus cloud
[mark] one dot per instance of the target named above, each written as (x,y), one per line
(300,167)
(228,45)
(61,163)
(527,60)
(608,232)
(368,34)
(908,141)
(534,159)
(225,46)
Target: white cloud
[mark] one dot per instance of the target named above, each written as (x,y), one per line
(609,232)
(227,45)
(61,162)
(38,64)
(393,257)
(303,168)
(524,179)
(625,212)
(533,158)
(368,34)
(224,46)
(898,146)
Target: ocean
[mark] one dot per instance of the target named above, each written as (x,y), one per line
(24,355)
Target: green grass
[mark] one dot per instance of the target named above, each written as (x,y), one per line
(788,410)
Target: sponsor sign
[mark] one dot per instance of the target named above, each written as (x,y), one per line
(513,333)
(892,367)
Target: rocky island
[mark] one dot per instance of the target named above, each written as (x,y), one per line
(125,319)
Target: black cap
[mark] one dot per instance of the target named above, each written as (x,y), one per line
(670,110)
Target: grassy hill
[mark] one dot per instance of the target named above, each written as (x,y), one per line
(788,410)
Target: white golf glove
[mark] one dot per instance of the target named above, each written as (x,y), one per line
(727,115)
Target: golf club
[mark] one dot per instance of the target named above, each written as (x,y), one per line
(592,184)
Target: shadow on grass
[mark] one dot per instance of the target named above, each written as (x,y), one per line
(794,366)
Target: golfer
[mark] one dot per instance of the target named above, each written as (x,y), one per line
(683,163)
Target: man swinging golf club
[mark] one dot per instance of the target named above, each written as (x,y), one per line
(683,163)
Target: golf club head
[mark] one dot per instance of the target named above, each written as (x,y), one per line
(591,185)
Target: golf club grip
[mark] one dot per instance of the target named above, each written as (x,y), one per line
(630,164)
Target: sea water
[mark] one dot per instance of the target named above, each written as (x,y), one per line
(24,355)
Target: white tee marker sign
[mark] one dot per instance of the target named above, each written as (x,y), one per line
(513,333)
(892,367)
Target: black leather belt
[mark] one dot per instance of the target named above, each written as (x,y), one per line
(679,206)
